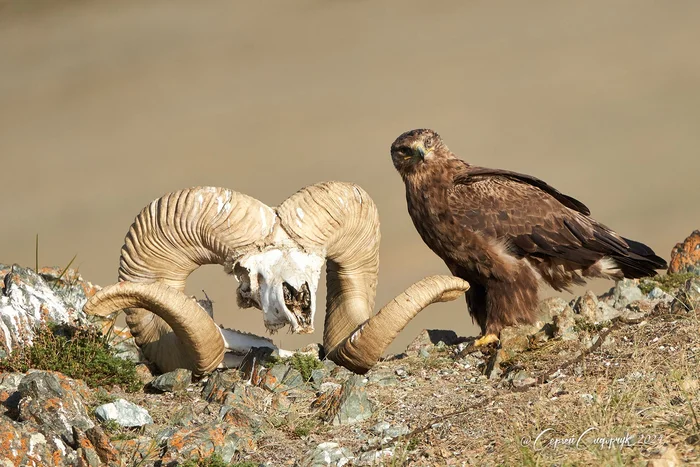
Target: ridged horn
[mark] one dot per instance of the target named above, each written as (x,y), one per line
(341,219)
(170,238)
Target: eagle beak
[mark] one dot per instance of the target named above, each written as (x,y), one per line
(421,151)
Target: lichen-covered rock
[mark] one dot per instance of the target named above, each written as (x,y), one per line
(685,256)
(218,384)
(172,381)
(328,454)
(353,404)
(200,442)
(124,413)
(22,444)
(27,300)
(593,310)
(282,378)
(55,403)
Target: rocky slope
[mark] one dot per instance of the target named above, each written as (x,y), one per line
(599,380)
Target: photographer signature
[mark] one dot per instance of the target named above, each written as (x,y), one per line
(546,440)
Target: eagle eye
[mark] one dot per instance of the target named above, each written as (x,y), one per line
(429,142)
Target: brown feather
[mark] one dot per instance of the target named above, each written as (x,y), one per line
(503,231)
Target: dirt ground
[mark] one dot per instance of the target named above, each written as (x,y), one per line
(105,106)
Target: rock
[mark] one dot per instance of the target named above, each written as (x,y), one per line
(85,449)
(550,307)
(126,349)
(379,457)
(669,458)
(241,417)
(219,384)
(23,445)
(184,416)
(514,339)
(523,379)
(173,381)
(328,454)
(27,301)
(124,413)
(201,442)
(144,373)
(387,430)
(103,446)
(625,292)
(431,337)
(593,310)
(353,406)
(317,377)
(685,256)
(493,366)
(9,382)
(382,377)
(55,403)
(565,325)
(281,378)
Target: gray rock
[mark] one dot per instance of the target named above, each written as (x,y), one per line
(219,384)
(354,406)
(27,301)
(593,310)
(328,454)
(387,430)
(317,377)
(124,413)
(550,307)
(23,441)
(217,438)
(625,292)
(523,379)
(382,377)
(565,325)
(55,403)
(281,378)
(173,381)
(378,457)
(184,416)
(658,293)
(432,337)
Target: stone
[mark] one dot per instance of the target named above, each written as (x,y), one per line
(219,384)
(124,413)
(103,446)
(241,417)
(281,378)
(514,339)
(27,301)
(593,310)
(23,445)
(387,430)
(328,454)
(565,325)
(550,307)
(669,458)
(428,338)
(378,457)
(523,379)
(354,405)
(382,377)
(204,441)
(55,403)
(184,416)
(685,256)
(173,381)
(625,292)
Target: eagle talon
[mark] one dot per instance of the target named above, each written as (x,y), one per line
(485,340)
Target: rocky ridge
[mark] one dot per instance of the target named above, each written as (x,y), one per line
(621,364)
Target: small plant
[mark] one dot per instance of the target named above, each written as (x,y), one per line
(668,283)
(80,353)
(304,363)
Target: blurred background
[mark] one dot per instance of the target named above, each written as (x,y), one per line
(105,106)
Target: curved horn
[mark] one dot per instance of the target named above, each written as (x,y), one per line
(342,220)
(170,238)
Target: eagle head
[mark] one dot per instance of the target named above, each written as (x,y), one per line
(416,147)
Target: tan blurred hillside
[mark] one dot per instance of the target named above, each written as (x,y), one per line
(105,106)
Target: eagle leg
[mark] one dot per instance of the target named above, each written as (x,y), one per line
(485,340)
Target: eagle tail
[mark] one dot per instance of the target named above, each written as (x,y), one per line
(639,260)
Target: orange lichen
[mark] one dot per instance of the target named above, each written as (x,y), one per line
(685,256)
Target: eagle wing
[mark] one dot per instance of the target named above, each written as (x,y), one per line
(531,218)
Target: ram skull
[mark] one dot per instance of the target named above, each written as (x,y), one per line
(276,254)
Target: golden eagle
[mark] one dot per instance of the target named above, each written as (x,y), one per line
(504,232)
